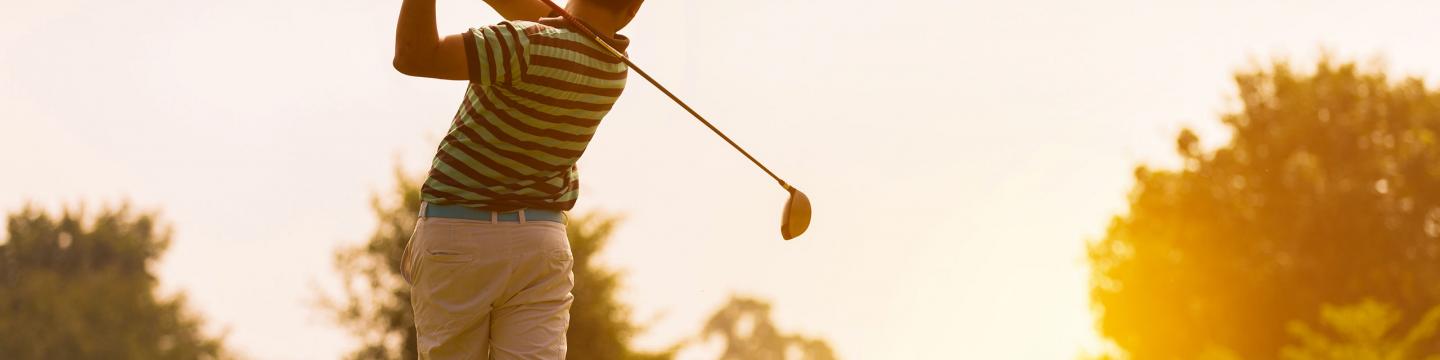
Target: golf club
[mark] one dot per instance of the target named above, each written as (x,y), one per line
(796,217)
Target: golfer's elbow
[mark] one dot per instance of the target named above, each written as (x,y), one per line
(410,59)
(430,61)
(406,65)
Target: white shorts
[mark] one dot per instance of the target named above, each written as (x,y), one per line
(490,290)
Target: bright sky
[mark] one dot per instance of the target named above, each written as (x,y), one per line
(959,153)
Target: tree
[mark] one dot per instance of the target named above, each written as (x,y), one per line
(80,288)
(744,324)
(1328,191)
(600,327)
(1365,331)
(375,304)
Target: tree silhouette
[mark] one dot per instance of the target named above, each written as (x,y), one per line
(600,326)
(744,324)
(82,288)
(1327,192)
(375,303)
(1363,331)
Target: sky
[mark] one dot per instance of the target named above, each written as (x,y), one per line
(959,154)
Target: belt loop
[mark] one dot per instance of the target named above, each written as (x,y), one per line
(522,215)
(494,217)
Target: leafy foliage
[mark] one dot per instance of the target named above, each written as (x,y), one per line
(1364,331)
(1327,192)
(375,304)
(750,334)
(600,326)
(75,288)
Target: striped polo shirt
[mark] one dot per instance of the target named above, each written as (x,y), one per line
(537,93)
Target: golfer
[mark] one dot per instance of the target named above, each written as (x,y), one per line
(489,262)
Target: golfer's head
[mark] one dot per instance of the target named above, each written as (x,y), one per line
(622,10)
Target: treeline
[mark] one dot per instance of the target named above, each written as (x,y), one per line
(78,287)
(1314,233)
(375,302)
(81,286)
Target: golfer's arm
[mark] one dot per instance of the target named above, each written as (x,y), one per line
(520,9)
(419,49)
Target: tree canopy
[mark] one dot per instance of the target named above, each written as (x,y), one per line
(75,287)
(745,325)
(1327,192)
(375,303)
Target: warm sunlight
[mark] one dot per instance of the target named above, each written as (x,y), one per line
(987,180)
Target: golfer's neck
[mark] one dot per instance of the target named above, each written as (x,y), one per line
(602,21)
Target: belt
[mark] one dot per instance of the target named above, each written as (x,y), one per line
(461,212)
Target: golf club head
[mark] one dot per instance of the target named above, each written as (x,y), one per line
(797,215)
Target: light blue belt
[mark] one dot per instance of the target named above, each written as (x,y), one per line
(461,212)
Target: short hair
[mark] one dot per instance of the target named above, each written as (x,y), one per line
(616,5)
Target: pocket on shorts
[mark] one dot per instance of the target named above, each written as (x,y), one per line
(447,256)
(560,256)
(446,241)
(407,256)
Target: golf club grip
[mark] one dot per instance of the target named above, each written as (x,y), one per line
(585,28)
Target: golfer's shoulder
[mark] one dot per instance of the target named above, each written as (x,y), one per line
(517,29)
(528,28)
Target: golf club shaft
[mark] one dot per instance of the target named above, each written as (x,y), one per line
(579,25)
